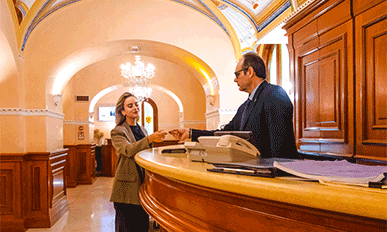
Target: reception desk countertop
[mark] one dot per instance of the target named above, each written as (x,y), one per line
(350,200)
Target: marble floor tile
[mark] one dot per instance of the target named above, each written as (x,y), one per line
(89,209)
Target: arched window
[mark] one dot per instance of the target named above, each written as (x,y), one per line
(278,67)
(149,116)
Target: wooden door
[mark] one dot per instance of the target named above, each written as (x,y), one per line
(308,104)
(371,83)
(335,73)
(324,67)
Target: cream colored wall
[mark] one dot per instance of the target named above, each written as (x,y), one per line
(64,38)
(101,75)
(12,119)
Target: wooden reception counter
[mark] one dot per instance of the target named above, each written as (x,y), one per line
(183,196)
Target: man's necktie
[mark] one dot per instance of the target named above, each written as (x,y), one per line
(245,113)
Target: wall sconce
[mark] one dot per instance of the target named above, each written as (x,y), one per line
(211,99)
(56,98)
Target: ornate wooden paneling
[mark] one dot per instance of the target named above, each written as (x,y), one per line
(109,159)
(32,190)
(58,200)
(181,206)
(72,172)
(371,82)
(44,188)
(323,61)
(309,92)
(87,163)
(363,5)
(11,208)
(336,85)
(36,190)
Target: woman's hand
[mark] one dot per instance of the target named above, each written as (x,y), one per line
(157,136)
(180,134)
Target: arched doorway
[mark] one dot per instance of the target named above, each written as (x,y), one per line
(149,115)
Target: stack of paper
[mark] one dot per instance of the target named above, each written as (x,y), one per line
(334,171)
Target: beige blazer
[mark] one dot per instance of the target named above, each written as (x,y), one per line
(127,177)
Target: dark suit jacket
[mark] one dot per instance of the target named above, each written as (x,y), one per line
(271,121)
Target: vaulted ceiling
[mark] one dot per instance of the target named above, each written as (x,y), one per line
(244,21)
(206,37)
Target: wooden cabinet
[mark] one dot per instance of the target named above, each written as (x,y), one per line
(323,79)
(371,82)
(339,111)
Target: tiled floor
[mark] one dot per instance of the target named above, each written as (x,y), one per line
(89,209)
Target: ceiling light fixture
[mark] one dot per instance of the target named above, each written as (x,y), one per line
(138,76)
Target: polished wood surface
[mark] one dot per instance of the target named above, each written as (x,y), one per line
(182,196)
(87,163)
(72,173)
(371,82)
(33,189)
(109,160)
(11,190)
(81,164)
(339,111)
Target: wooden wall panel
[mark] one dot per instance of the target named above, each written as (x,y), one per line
(87,163)
(11,207)
(371,82)
(36,190)
(44,188)
(324,70)
(363,5)
(109,159)
(307,105)
(7,190)
(72,172)
(336,77)
(58,190)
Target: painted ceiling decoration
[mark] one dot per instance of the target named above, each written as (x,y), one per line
(250,20)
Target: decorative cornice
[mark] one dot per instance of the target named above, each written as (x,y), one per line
(74,122)
(274,15)
(298,10)
(31,112)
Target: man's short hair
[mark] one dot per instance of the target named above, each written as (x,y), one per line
(253,60)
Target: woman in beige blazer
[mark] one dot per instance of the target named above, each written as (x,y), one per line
(128,138)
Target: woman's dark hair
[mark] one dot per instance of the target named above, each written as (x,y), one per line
(253,60)
(120,106)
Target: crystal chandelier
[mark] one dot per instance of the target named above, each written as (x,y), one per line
(138,77)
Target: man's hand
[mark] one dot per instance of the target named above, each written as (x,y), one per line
(180,134)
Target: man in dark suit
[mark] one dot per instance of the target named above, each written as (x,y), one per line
(268,112)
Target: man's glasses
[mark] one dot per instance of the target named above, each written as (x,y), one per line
(237,73)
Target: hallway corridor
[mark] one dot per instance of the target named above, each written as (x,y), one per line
(89,209)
